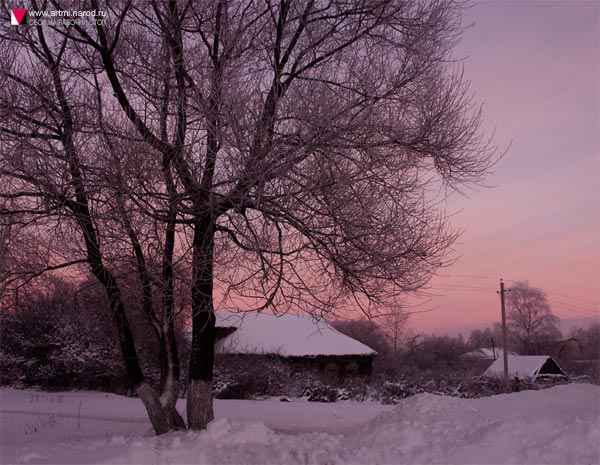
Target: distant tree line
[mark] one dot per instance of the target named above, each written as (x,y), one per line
(532,330)
(54,338)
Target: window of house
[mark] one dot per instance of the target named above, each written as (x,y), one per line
(352,369)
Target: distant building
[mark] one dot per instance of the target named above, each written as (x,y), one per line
(570,349)
(527,366)
(483,353)
(299,340)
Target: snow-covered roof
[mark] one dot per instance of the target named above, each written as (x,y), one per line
(522,366)
(485,353)
(288,335)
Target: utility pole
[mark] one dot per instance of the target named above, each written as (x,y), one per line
(504,350)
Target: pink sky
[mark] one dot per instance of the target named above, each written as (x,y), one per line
(535,67)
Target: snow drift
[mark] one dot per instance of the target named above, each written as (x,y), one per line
(557,425)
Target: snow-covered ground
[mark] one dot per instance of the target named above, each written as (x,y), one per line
(558,425)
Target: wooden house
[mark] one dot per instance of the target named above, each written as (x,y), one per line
(305,343)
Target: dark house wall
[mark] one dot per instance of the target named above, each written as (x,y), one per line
(551,368)
(340,366)
(336,366)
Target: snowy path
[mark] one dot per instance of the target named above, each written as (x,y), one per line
(294,416)
(558,425)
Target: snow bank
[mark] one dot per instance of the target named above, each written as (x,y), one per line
(557,425)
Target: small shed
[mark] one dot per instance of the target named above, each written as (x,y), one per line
(299,339)
(527,366)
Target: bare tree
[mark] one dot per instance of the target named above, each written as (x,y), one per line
(59,188)
(531,324)
(490,337)
(296,144)
(395,323)
(365,331)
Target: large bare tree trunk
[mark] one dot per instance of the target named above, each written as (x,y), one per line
(80,210)
(148,396)
(199,401)
(168,349)
(164,410)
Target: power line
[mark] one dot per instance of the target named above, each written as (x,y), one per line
(458,286)
(511,281)
(461,289)
(574,298)
(562,295)
(466,276)
(561,305)
(577,311)
(574,307)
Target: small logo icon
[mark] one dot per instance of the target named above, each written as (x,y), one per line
(17,16)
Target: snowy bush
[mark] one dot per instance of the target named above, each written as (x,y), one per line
(238,377)
(221,386)
(343,394)
(394,392)
(243,378)
(582,370)
(54,341)
(62,336)
(318,392)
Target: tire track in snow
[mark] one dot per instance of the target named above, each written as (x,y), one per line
(75,416)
